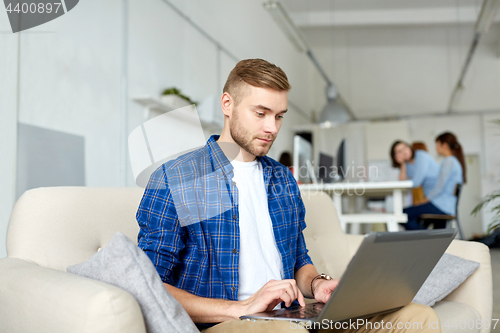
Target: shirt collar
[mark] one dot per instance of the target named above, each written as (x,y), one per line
(219,159)
(221,162)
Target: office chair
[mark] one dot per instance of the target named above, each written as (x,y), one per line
(440,221)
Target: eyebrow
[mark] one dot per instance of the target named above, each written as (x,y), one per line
(265,108)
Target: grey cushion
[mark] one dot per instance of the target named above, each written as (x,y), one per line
(450,272)
(123,264)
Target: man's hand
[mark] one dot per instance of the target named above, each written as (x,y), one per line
(323,289)
(213,310)
(270,295)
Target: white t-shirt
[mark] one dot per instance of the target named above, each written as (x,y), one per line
(259,258)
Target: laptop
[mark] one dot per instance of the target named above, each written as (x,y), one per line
(385,274)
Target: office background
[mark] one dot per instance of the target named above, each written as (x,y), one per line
(396,64)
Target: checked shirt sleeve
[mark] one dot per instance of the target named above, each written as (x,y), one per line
(161,236)
(302,258)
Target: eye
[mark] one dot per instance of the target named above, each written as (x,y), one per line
(279,117)
(260,114)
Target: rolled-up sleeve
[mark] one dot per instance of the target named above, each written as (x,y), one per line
(302,258)
(161,236)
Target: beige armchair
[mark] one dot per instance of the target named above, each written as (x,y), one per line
(331,250)
(53,228)
(49,230)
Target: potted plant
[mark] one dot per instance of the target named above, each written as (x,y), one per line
(175,99)
(496,210)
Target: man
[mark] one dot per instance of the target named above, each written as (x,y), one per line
(223,224)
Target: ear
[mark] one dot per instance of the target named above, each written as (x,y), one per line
(226,103)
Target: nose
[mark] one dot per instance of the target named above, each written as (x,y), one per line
(270,125)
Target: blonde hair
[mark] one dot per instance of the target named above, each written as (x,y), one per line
(257,73)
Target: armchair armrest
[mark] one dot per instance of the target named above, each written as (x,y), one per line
(40,299)
(353,243)
(476,291)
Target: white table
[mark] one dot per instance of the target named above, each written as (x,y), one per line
(365,189)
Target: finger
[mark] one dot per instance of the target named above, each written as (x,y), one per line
(322,295)
(285,284)
(280,282)
(287,297)
(300,298)
(325,297)
(273,304)
(294,291)
(336,283)
(289,289)
(279,295)
(297,294)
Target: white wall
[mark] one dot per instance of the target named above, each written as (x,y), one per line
(79,73)
(381,135)
(491,158)
(161,56)
(70,82)
(8,126)
(408,70)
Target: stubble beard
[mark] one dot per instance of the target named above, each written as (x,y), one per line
(244,139)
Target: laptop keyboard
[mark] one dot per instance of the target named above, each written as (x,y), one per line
(309,311)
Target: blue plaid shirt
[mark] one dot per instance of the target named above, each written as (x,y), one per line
(188,220)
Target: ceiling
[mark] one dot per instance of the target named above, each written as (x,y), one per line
(381,12)
(353,5)
(401,57)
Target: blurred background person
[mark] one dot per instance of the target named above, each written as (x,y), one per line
(442,198)
(419,145)
(415,164)
(286,160)
(417,193)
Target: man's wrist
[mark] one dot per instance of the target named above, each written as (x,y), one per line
(236,309)
(316,281)
(315,286)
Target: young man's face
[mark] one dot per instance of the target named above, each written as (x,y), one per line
(255,122)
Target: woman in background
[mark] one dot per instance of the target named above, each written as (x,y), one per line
(416,145)
(417,165)
(442,199)
(418,192)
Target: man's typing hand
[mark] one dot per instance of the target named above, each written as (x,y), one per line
(271,294)
(323,289)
